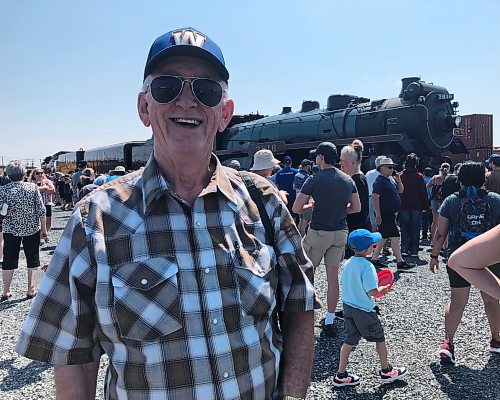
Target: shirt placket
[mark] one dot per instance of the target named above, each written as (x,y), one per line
(208,283)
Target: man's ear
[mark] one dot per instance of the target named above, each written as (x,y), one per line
(227,114)
(142,109)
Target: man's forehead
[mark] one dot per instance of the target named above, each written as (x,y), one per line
(186,66)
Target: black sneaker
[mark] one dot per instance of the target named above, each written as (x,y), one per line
(393,374)
(329,330)
(403,265)
(345,379)
(339,314)
(379,264)
(405,253)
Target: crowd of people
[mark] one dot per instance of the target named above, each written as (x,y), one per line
(197,279)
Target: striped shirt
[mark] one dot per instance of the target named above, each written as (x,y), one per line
(181,298)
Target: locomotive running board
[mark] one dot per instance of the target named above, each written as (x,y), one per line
(280,147)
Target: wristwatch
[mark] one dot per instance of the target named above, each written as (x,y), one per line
(434,257)
(289,398)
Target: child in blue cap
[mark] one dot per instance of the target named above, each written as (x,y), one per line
(359,283)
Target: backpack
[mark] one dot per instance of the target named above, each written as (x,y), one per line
(474,217)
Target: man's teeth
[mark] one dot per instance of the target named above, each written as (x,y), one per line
(184,121)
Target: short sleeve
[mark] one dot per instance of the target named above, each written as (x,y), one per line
(445,208)
(307,187)
(378,186)
(370,279)
(60,326)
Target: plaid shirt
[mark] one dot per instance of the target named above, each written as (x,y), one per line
(180,298)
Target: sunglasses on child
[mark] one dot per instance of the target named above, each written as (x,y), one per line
(166,88)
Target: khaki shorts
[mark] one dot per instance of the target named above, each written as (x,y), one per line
(329,245)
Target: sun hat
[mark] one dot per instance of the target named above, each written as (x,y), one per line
(385,161)
(263,159)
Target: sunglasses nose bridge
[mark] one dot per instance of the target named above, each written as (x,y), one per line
(186,90)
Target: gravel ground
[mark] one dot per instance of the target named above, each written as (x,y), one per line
(412,315)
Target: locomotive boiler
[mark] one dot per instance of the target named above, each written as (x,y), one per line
(422,119)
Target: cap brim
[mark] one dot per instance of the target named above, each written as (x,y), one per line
(376,237)
(188,51)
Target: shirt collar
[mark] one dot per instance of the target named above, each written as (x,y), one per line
(155,185)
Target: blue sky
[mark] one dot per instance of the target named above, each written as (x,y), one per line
(70,71)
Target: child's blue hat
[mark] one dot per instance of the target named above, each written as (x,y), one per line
(361,239)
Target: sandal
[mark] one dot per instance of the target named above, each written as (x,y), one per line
(6,297)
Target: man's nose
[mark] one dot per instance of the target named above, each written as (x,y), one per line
(186,98)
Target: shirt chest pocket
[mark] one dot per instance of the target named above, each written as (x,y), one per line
(256,280)
(146,298)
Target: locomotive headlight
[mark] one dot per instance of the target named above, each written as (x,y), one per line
(453,121)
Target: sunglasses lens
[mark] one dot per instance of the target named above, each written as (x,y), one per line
(207,91)
(165,88)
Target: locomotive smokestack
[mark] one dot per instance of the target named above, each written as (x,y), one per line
(405,82)
(286,110)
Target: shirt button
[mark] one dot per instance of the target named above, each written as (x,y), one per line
(215,321)
(225,374)
(198,223)
(207,270)
(144,282)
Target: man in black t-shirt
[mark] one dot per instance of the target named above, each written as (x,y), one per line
(386,204)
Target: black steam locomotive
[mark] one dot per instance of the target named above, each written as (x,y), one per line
(422,119)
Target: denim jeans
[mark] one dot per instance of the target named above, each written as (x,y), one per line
(426,223)
(411,222)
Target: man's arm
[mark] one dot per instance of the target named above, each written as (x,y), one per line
(298,353)
(438,241)
(355,205)
(376,208)
(301,201)
(76,382)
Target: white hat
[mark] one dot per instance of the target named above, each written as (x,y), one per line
(385,161)
(263,159)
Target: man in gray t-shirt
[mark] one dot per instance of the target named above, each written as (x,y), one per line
(335,195)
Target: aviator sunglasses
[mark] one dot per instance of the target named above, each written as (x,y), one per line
(166,88)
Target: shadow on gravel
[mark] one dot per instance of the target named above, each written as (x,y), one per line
(460,382)
(57,229)
(382,390)
(12,303)
(19,377)
(327,350)
(48,248)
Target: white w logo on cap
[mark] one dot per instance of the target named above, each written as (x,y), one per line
(188,37)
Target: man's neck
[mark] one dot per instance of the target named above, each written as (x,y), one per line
(187,176)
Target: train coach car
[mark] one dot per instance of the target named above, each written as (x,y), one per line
(104,159)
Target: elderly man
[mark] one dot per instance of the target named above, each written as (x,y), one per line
(167,270)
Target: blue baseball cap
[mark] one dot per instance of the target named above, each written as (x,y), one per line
(186,42)
(361,239)
(494,158)
(287,160)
